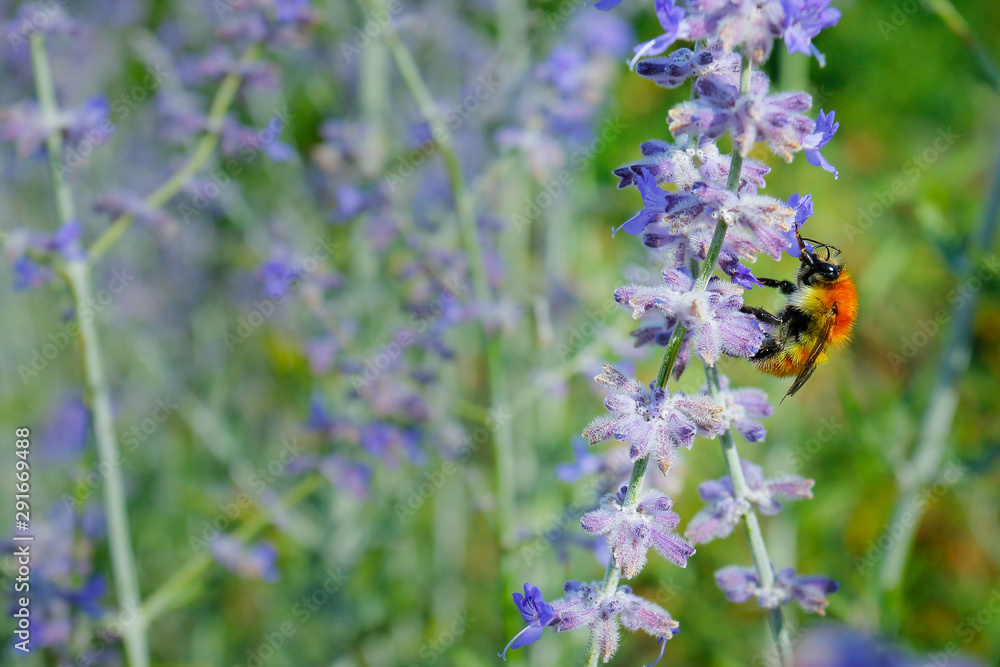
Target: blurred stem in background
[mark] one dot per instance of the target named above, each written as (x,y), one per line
(503,444)
(77,275)
(924,466)
(762,561)
(76,272)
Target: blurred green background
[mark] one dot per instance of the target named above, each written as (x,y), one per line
(917,149)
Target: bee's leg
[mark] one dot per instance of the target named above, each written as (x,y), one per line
(785,286)
(762,315)
(768,348)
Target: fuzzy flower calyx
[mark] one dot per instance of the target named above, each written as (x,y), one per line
(652,421)
(632,531)
(723,509)
(741,583)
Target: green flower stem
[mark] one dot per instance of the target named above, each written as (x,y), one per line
(202,152)
(924,465)
(761,559)
(173,592)
(77,275)
(504,443)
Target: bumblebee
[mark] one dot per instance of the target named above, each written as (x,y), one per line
(820,313)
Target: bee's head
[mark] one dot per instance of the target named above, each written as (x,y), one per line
(818,265)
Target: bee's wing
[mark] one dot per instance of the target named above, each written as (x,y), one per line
(810,364)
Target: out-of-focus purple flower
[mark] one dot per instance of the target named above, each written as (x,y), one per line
(251,561)
(743,408)
(219,63)
(536,612)
(20,245)
(351,201)
(31,18)
(585,605)
(585,463)
(24,124)
(741,583)
(653,422)
(834,645)
(29,274)
(712,316)
(804,19)
(277,275)
(723,509)
(353,477)
(64,432)
(321,352)
(632,531)
(116,204)
(236,138)
(822,132)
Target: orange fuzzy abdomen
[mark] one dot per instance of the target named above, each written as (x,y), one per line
(817,301)
(845,294)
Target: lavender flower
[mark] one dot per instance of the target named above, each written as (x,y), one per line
(254,561)
(586,606)
(804,19)
(723,509)
(24,124)
(633,530)
(537,613)
(741,583)
(651,421)
(742,408)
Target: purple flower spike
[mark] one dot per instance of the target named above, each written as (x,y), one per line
(537,613)
(633,530)
(652,421)
(822,132)
(741,583)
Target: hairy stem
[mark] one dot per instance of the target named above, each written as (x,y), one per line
(758,549)
(202,152)
(179,587)
(77,275)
